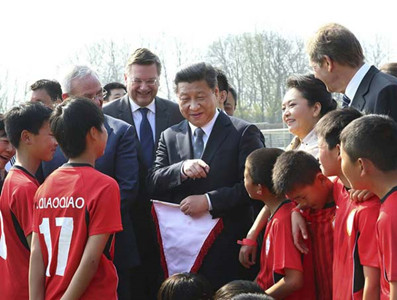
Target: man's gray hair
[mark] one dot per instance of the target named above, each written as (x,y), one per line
(76,72)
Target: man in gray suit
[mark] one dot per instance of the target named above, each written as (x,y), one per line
(337,59)
(149,115)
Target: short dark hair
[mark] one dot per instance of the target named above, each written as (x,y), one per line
(2,129)
(197,72)
(261,163)
(237,287)
(389,68)
(143,56)
(71,121)
(29,116)
(373,137)
(185,286)
(52,87)
(314,90)
(331,125)
(234,94)
(293,169)
(223,83)
(251,296)
(112,86)
(338,43)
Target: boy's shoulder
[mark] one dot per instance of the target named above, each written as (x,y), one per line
(388,199)
(20,180)
(282,216)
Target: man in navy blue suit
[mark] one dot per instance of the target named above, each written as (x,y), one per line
(119,161)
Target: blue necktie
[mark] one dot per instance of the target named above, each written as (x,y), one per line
(345,101)
(198,143)
(146,138)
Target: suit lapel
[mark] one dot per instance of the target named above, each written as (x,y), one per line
(219,133)
(184,141)
(162,118)
(359,100)
(125,112)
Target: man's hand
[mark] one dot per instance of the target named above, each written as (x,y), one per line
(299,231)
(195,168)
(247,256)
(194,205)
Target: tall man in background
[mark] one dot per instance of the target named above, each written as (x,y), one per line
(338,60)
(149,115)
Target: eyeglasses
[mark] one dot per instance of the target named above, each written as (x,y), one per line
(98,96)
(149,82)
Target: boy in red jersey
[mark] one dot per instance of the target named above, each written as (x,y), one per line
(297,175)
(76,213)
(28,130)
(355,265)
(369,161)
(284,274)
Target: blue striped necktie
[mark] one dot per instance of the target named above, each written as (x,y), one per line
(198,143)
(345,101)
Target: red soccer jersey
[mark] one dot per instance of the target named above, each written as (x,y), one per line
(354,245)
(321,229)
(386,232)
(75,202)
(16,224)
(279,253)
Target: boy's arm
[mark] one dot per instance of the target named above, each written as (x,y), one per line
(291,282)
(299,231)
(393,290)
(371,284)
(247,255)
(87,267)
(36,270)
(29,240)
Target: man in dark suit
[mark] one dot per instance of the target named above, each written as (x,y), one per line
(149,115)
(200,165)
(119,161)
(337,59)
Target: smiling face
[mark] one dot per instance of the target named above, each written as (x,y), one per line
(142,83)
(6,150)
(298,115)
(88,87)
(197,102)
(329,158)
(352,171)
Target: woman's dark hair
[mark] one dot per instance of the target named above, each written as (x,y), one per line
(313,90)
(183,286)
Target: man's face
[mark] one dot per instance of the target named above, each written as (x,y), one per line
(6,150)
(230,104)
(142,83)
(322,72)
(88,87)
(197,102)
(45,143)
(329,159)
(351,170)
(41,95)
(313,196)
(115,94)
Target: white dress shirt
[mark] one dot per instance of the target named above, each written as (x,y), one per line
(137,116)
(309,144)
(354,83)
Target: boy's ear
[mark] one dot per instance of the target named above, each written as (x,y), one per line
(26,137)
(366,166)
(321,177)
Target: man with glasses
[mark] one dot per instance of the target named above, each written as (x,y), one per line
(149,115)
(119,162)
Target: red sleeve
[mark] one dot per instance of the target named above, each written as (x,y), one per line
(366,225)
(388,239)
(22,206)
(104,210)
(286,256)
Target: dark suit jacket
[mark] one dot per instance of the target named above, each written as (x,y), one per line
(377,94)
(228,146)
(120,162)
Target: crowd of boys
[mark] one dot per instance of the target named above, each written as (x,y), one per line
(58,237)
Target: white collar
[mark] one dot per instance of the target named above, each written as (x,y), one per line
(135,107)
(310,138)
(354,83)
(207,128)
